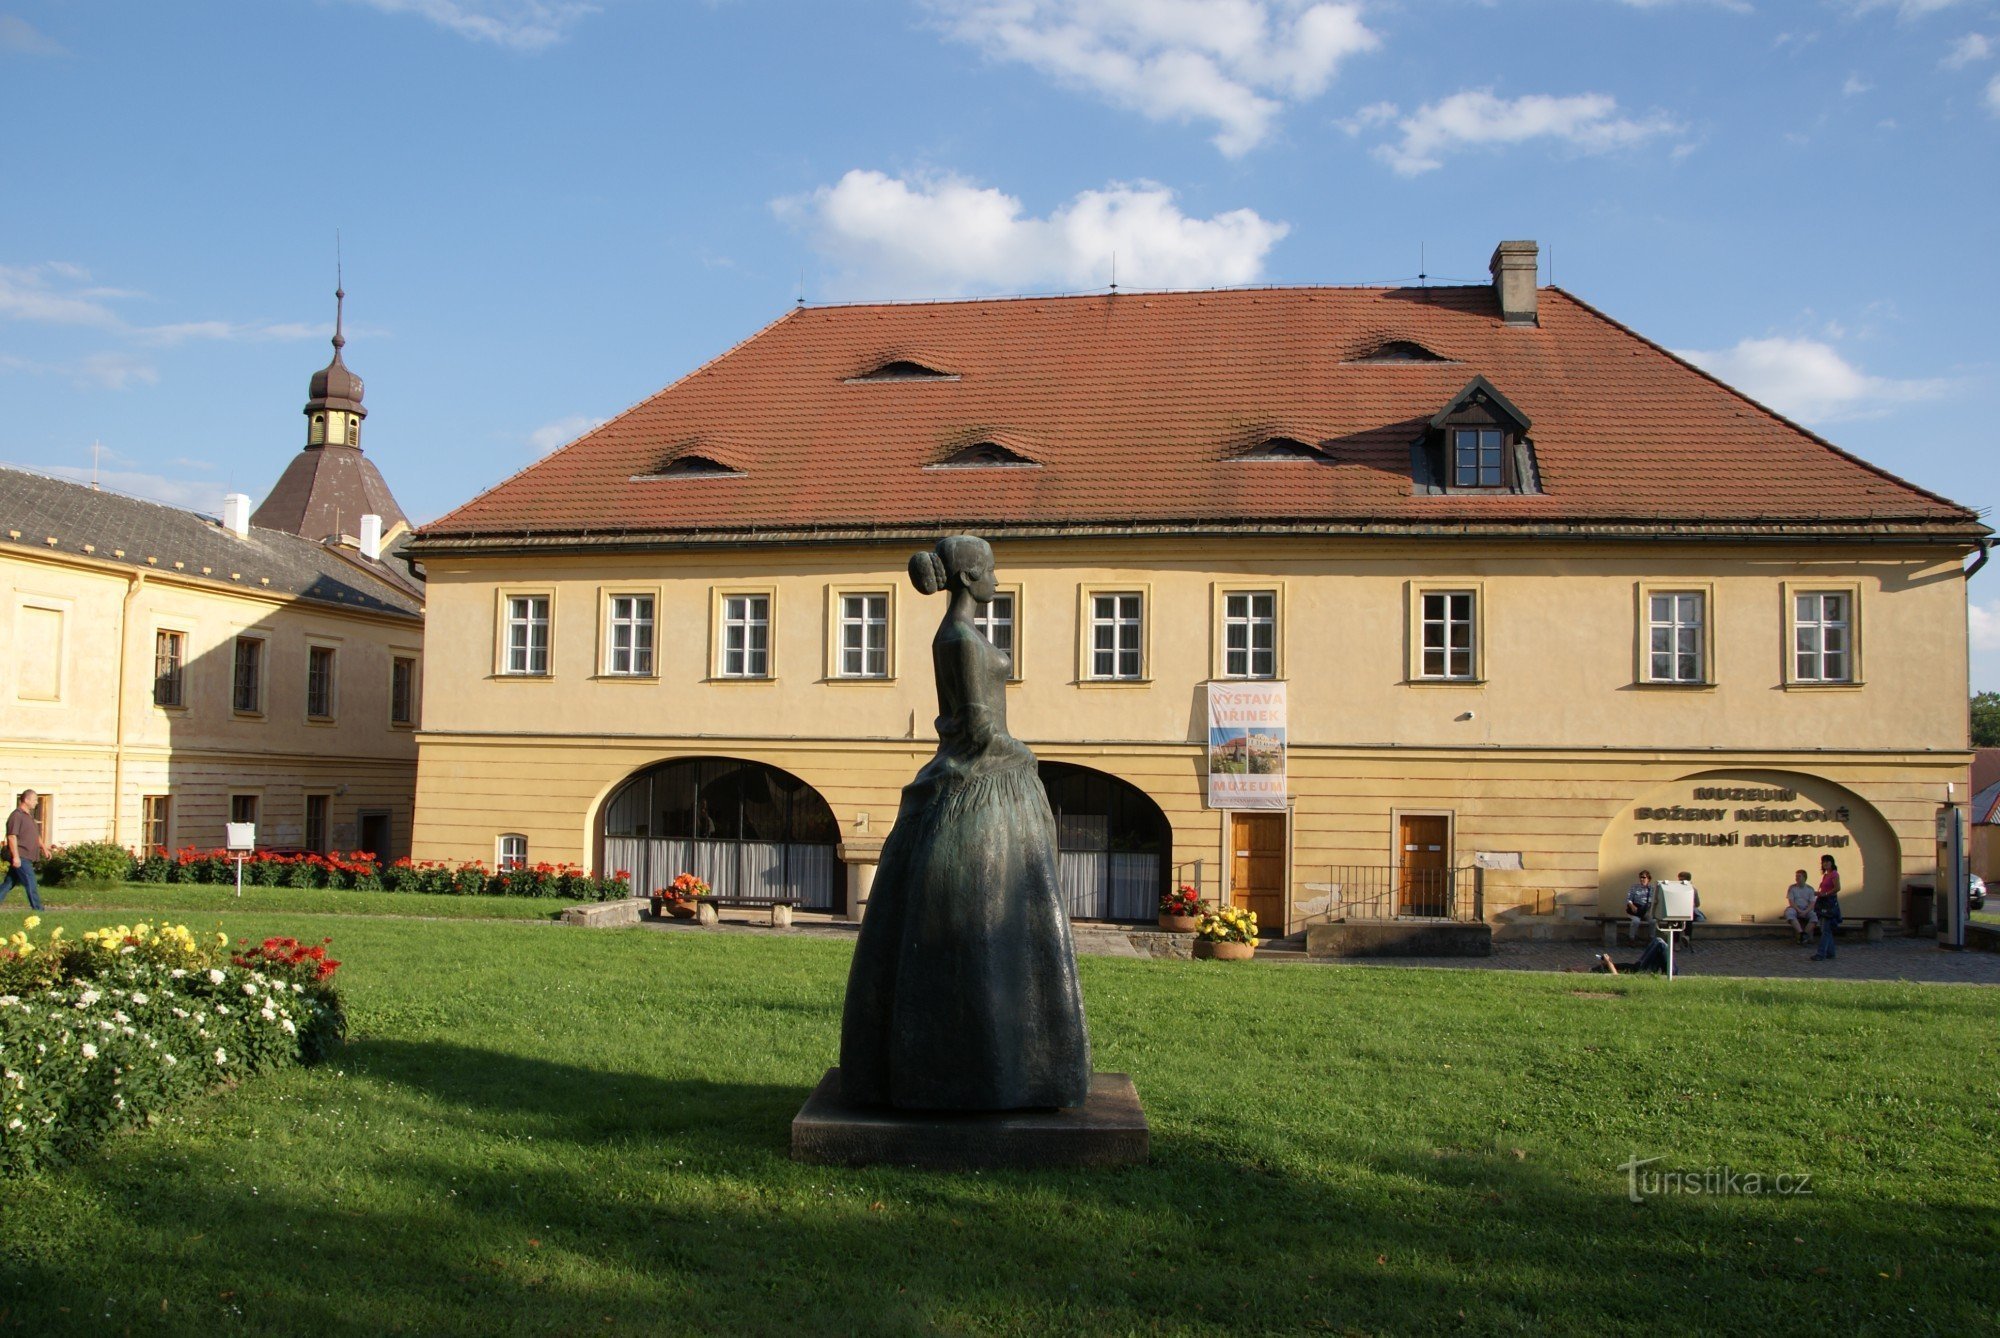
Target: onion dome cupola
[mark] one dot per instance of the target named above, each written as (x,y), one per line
(329,486)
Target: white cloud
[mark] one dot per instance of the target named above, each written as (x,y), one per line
(519,25)
(1905,9)
(200,495)
(1855,86)
(1984,624)
(1968,50)
(21,38)
(1993,95)
(1734,6)
(113,371)
(26,294)
(1586,123)
(947,237)
(1230,63)
(1809,380)
(561,432)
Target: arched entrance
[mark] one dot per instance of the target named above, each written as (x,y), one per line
(751,831)
(1112,844)
(1743,834)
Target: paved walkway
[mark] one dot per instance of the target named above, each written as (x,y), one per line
(1777,956)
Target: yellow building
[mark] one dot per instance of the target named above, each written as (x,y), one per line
(167,673)
(1532,603)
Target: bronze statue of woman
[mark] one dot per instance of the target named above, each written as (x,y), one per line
(963,992)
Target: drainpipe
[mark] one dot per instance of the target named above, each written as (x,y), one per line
(138,580)
(1985,552)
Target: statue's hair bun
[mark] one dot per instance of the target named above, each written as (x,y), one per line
(927,571)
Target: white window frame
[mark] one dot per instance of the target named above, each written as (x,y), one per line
(734,622)
(502,858)
(1421,622)
(1127,624)
(1687,667)
(1248,622)
(516,654)
(1795,627)
(862,633)
(986,621)
(639,661)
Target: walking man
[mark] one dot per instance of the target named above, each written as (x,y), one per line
(24,847)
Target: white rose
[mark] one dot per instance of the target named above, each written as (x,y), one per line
(214,976)
(171,1060)
(290,1030)
(249,989)
(89,1050)
(221,1056)
(140,999)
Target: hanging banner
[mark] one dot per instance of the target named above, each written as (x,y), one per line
(1246,745)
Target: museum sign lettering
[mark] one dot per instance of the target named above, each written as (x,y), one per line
(1756,806)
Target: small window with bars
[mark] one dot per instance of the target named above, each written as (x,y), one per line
(319,808)
(1823,637)
(1448,629)
(1117,636)
(320,661)
(169,668)
(864,636)
(527,645)
(1675,636)
(156,819)
(746,636)
(1250,634)
(629,629)
(246,693)
(243,808)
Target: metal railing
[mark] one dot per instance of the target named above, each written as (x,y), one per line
(1378,892)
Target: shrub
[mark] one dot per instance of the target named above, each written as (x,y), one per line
(262,871)
(469,880)
(1228,924)
(155,867)
(93,864)
(615,886)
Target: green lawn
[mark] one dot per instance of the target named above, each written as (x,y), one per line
(566,1130)
(156,899)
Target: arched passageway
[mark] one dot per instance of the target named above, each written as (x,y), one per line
(1112,844)
(751,831)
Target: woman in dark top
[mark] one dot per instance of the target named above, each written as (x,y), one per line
(963,992)
(1826,906)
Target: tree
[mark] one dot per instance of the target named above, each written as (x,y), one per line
(1986,720)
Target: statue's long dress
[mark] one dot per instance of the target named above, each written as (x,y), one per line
(963,992)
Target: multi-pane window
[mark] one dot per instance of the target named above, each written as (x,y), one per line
(864,636)
(1476,457)
(169,659)
(403,690)
(527,634)
(319,682)
(513,851)
(1116,636)
(243,808)
(156,814)
(246,692)
(1447,634)
(996,621)
(1250,634)
(317,808)
(746,636)
(1822,637)
(631,636)
(1674,632)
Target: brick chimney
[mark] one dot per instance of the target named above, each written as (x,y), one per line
(236,514)
(1514,268)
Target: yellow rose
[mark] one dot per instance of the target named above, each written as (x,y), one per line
(221,938)
(31,922)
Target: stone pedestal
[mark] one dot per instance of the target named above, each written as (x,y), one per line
(1109,1129)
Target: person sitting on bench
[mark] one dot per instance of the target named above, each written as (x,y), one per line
(1799,899)
(1687,930)
(1639,901)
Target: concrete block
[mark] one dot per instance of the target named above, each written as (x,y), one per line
(706,915)
(1109,1129)
(781,917)
(628,911)
(1399,938)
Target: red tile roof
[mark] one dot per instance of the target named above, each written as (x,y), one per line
(1133,405)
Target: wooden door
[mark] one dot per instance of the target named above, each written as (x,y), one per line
(1424,877)
(1257,867)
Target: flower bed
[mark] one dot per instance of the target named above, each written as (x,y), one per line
(108,1030)
(356,870)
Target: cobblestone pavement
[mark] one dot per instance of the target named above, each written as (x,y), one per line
(1915,959)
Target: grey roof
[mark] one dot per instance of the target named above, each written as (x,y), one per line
(74,515)
(1986,804)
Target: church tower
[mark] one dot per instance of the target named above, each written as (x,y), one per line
(329,486)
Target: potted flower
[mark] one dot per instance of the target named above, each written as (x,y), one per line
(1228,934)
(678,897)
(1181,909)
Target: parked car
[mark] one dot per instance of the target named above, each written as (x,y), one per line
(1975,892)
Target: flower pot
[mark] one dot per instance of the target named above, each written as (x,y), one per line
(681,910)
(1179,924)
(1224,951)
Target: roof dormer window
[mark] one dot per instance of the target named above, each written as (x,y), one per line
(691,465)
(903,369)
(1478,443)
(1400,350)
(984,454)
(1283,448)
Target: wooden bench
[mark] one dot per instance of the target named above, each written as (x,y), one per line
(1871,925)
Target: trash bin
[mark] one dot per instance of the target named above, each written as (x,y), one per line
(1917,901)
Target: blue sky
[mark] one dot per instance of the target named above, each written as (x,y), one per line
(549,209)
